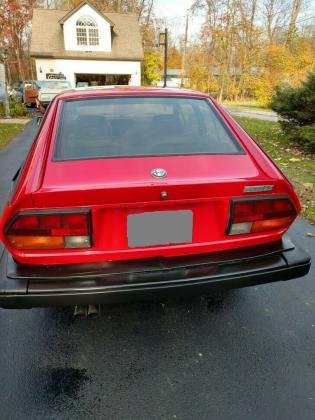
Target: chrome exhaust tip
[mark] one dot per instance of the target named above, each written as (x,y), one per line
(93,311)
(80,311)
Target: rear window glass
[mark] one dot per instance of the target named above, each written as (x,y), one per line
(141,126)
(54,84)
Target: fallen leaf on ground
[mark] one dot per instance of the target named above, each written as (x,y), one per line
(308,185)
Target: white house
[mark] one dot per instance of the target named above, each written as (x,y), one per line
(86,45)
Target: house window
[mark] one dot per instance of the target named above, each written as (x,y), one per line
(87,31)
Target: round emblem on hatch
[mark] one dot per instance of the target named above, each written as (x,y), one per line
(159,173)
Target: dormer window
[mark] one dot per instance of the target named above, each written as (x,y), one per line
(87,31)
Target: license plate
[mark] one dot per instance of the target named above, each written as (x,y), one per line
(159,228)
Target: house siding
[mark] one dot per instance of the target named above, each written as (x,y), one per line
(71,67)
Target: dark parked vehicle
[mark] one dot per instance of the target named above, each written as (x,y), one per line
(134,193)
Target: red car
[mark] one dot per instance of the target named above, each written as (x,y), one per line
(141,193)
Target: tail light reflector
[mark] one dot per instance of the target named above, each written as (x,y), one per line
(261,215)
(50,231)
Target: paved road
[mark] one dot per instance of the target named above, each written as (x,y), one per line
(260,114)
(246,354)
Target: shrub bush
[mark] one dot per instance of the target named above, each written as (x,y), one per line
(17,109)
(296,107)
(151,68)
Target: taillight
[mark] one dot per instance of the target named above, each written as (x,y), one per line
(261,215)
(53,230)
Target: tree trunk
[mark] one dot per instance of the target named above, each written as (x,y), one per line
(296,7)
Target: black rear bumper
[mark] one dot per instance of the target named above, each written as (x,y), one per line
(109,282)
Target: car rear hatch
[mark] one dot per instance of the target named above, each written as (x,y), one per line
(132,210)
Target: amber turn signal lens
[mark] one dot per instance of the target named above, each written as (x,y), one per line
(272,224)
(36,242)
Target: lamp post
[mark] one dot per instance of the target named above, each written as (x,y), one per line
(4,57)
(163,40)
(184,55)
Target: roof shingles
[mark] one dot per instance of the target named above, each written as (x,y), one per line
(47,37)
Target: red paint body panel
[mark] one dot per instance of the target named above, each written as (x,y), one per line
(113,188)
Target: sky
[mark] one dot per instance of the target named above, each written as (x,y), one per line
(172,7)
(175,11)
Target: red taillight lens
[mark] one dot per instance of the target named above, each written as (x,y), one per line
(50,231)
(261,215)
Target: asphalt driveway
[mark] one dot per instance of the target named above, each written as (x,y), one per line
(259,113)
(245,354)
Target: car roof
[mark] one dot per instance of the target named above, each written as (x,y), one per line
(98,91)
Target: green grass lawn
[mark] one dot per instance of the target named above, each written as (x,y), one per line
(298,166)
(8,131)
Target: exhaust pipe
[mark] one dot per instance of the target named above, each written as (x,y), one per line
(93,311)
(84,311)
(80,311)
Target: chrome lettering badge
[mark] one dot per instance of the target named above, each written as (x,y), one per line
(159,173)
(258,188)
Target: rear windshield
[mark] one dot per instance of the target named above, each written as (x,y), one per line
(141,126)
(54,84)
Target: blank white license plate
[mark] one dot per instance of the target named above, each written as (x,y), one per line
(160,228)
